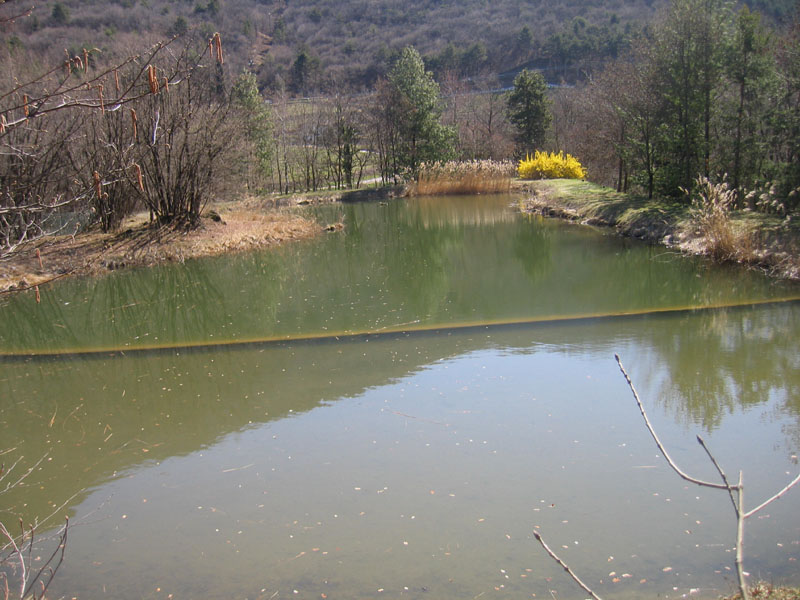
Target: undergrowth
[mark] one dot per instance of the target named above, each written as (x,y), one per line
(767,591)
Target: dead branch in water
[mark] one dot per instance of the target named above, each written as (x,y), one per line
(735,492)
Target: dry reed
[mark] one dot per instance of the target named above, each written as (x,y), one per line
(464,177)
(712,204)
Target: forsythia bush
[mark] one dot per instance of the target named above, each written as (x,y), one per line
(549,165)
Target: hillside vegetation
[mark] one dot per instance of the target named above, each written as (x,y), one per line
(309,45)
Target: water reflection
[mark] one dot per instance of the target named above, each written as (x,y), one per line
(421,263)
(499,423)
(400,461)
(727,360)
(116,411)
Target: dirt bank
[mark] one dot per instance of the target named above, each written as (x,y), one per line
(244,224)
(225,227)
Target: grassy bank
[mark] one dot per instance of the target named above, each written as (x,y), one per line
(769,242)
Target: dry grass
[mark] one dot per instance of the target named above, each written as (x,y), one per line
(711,215)
(767,591)
(241,226)
(464,177)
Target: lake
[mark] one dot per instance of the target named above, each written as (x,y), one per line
(391,410)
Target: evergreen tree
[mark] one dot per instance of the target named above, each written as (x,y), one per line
(751,73)
(529,112)
(416,110)
(258,122)
(688,55)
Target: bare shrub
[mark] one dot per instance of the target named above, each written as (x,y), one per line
(150,129)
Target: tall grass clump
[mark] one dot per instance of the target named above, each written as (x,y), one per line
(712,204)
(464,177)
(549,165)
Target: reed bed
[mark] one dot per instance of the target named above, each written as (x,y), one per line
(464,177)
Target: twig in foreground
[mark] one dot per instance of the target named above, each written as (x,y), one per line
(565,566)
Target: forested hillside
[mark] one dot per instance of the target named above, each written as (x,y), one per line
(306,46)
(310,45)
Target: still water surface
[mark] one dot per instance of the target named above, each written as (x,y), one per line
(390,411)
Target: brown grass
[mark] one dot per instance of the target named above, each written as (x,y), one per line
(468,177)
(767,591)
(711,215)
(242,226)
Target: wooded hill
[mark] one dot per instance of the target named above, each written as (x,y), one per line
(307,46)
(310,45)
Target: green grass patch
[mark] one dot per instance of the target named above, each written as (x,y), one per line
(595,202)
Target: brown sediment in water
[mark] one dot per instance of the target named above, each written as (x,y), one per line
(224,228)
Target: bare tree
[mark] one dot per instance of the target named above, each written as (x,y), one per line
(71,137)
(342,141)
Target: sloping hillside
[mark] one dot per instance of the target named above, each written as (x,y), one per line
(308,45)
(349,42)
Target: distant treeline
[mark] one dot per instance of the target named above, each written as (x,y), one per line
(710,91)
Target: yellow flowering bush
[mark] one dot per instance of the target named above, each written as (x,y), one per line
(549,165)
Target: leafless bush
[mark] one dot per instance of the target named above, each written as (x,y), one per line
(150,129)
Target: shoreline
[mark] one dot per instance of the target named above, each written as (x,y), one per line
(225,227)
(259,222)
(769,242)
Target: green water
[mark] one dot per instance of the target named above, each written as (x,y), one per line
(400,266)
(391,410)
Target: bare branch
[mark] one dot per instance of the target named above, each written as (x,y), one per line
(565,566)
(750,513)
(22,477)
(18,553)
(740,543)
(58,551)
(736,507)
(664,452)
